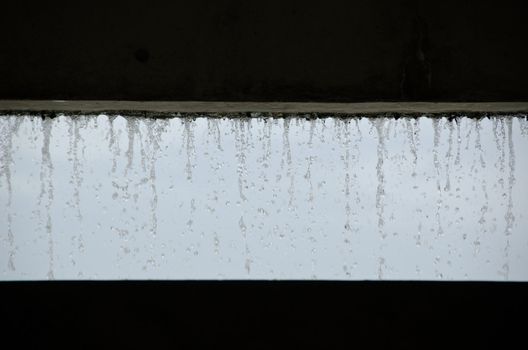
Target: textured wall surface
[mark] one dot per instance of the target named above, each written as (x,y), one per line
(267,50)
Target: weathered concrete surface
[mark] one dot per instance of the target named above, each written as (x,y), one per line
(265,107)
(238,50)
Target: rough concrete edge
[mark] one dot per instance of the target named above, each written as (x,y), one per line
(234,115)
(162,109)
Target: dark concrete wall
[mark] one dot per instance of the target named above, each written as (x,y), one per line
(354,50)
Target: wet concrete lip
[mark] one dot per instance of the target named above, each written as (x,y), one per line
(169,108)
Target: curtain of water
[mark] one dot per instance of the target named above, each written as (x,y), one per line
(329,198)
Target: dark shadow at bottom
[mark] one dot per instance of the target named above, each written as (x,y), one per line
(262,314)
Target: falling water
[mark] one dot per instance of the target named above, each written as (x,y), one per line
(76,179)
(412,144)
(500,142)
(325,178)
(287,150)
(311,196)
(5,170)
(46,178)
(379,124)
(241,146)
(484,207)
(478,143)
(308,174)
(154,130)
(381,264)
(347,177)
(77,174)
(218,137)
(132,130)
(459,141)
(7,133)
(380,193)
(523,125)
(113,144)
(265,159)
(437,135)
(447,186)
(312,122)
(190,222)
(243,229)
(188,139)
(509,217)
(357,153)
(413,133)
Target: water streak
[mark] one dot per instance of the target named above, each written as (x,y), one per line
(436,142)
(412,144)
(509,216)
(77,175)
(321,214)
(113,144)
(287,151)
(188,139)
(243,229)
(379,124)
(484,207)
(46,178)
(132,130)
(447,186)
(7,134)
(346,164)
(523,125)
(241,147)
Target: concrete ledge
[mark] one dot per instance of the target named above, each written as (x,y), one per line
(165,107)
